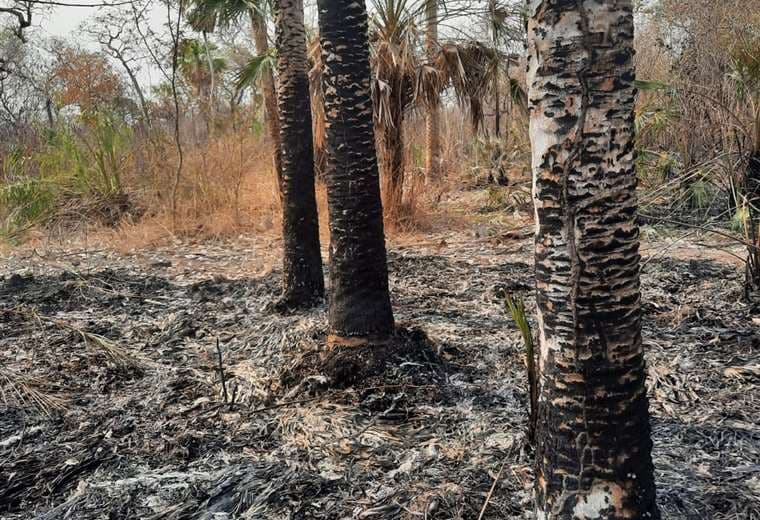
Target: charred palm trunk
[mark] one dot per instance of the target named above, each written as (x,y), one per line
(433,116)
(392,139)
(593,439)
(359,301)
(303,279)
(268,91)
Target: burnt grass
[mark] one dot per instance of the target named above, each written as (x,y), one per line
(136,423)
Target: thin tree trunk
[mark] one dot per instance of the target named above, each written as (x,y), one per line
(496,93)
(360,309)
(138,90)
(268,92)
(392,142)
(303,279)
(593,439)
(212,87)
(433,115)
(497,106)
(49,112)
(752,195)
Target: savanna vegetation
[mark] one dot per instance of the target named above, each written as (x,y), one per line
(380,259)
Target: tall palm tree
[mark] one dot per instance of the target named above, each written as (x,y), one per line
(593,437)
(205,15)
(303,279)
(433,115)
(359,300)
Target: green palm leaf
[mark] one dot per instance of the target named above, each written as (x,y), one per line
(250,73)
(207,15)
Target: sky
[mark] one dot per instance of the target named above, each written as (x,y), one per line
(64,22)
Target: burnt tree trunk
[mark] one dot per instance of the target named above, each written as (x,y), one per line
(359,300)
(268,91)
(593,458)
(302,260)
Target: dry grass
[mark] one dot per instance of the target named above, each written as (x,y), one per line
(228,189)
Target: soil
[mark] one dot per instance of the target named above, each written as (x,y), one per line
(113,404)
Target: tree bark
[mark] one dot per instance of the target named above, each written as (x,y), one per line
(271,116)
(433,116)
(359,300)
(302,259)
(593,439)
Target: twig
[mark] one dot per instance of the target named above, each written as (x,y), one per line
(234,395)
(734,238)
(221,372)
(490,492)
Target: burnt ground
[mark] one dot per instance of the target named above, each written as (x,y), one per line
(112,405)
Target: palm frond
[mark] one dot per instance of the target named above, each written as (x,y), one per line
(207,15)
(250,73)
(470,68)
(112,350)
(23,390)
(429,83)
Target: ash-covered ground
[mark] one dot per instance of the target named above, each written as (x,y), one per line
(112,404)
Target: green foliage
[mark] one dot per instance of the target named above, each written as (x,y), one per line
(85,167)
(700,194)
(740,220)
(652,86)
(207,15)
(502,198)
(23,204)
(655,169)
(198,61)
(249,74)
(516,308)
(257,127)
(418,155)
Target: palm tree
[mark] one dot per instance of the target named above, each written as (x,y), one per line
(394,64)
(359,300)
(402,82)
(433,115)
(198,64)
(205,15)
(593,437)
(303,278)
